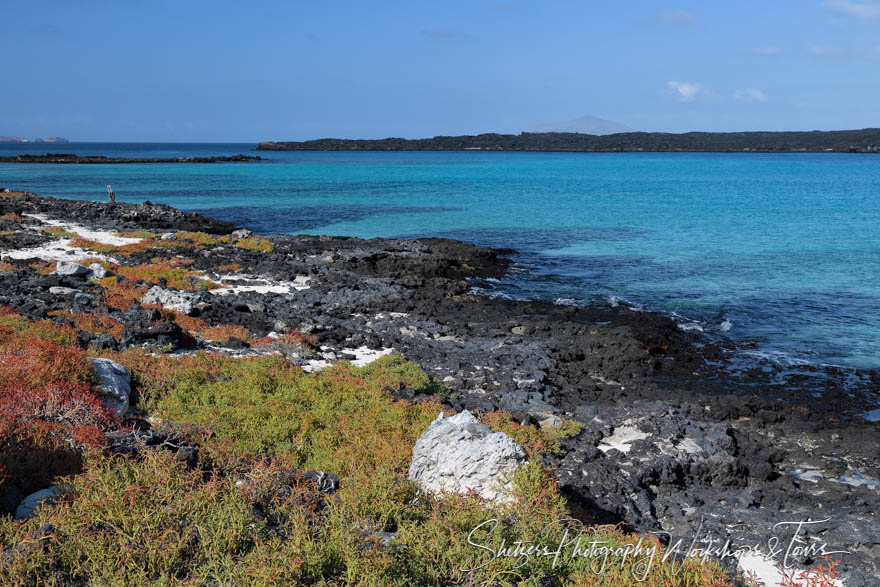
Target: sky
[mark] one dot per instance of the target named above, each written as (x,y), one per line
(230,70)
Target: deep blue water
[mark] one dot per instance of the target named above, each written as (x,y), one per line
(783,250)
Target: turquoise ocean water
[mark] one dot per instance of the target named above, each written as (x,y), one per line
(779,252)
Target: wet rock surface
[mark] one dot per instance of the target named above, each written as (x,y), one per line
(675,440)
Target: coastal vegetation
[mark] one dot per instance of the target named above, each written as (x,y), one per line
(236,515)
(223,496)
(182,240)
(251,451)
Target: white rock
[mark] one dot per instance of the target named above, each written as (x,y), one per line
(62,291)
(114,385)
(26,509)
(179,301)
(241,233)
(460,454)
(98,271)
(70,268)
(168,236)
(623,438)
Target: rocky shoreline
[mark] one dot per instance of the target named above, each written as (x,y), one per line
(674,440)
(70,158)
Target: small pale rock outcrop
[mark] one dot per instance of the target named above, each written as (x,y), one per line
(114,385)
(27,508)
(179,301)
(241,233)
(70,268)
(97,270)
(548,421)
(460,454)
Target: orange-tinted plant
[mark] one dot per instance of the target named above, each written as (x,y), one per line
(44,428)
(230,267)
(84,243)
(291,337)
(196,326)
(44,267)
(121,295)
(175,277)
(93,323)
(34,361)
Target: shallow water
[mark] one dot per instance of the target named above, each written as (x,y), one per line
(779,250)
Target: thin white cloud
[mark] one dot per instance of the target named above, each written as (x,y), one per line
(861,10)
(677,17)
(686,91)
(834,52)
(825,51)
(750,96)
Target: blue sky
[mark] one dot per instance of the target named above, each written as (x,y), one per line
(228,70)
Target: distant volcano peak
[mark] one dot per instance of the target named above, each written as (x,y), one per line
(590,125)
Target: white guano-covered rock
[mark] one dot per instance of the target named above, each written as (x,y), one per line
(179,301)
(97,271)
(459,454)
(27,508)
(114,385)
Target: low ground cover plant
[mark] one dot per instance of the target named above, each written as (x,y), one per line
(242,512)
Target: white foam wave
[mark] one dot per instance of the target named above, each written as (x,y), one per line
(690,326)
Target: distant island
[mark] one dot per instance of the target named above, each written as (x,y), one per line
(839,141)
(101,159)
(24,140)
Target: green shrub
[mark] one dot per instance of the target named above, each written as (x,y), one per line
(240,518)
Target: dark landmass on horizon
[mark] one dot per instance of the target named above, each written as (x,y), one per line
(839,141)
(98,159)
(8,139)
